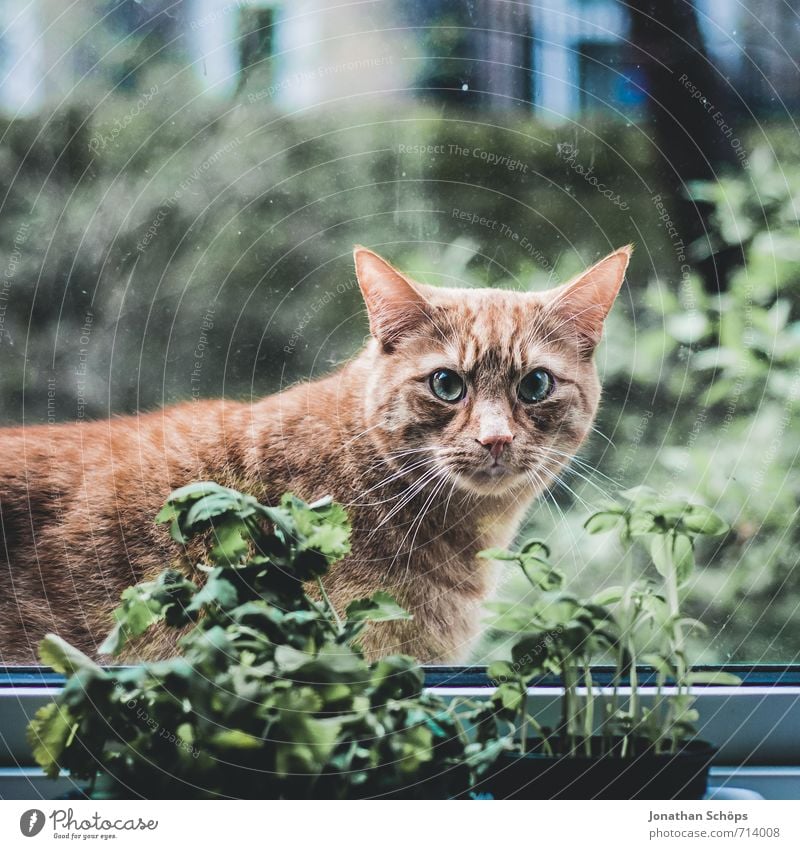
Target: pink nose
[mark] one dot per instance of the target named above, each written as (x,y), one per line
(496,443)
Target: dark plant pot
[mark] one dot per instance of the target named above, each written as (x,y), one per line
(645,775)
(450,783)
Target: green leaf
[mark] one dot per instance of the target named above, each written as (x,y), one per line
(500,669)
(672,553)
(134,616)
(166,514)
(191,491)
(331,540)
(661,553)
(609,595)
(642,523)
(185,732)
(64,658)
(416,748)
(216,591)
(304,742)
(114,642)
(332,663)
(657,607)
(535,548)
(381,607)
(682,557)
(324,528)
(509,697)
(235,738)
(48,734)
(289,659)
(210,506)
(687,720)
(603,522)
(640,495)
(660,664)
(703,520)
(396,677)
(723,679)
(692,624)
(531,650)
(192,507)
(230,543)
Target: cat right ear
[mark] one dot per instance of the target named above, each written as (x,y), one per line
(586,301)
(394,304)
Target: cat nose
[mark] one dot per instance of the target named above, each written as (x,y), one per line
(496,443)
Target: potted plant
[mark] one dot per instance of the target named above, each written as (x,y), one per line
(270,697)
(604,746)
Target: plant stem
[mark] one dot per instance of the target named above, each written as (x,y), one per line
(523,730)
(547,749)
(611,718)
(452,709)
(634,688)
(627,642)
(588,717)
(673,599)
(658,706)
(564,701)
(331,609)
(678,643)
(570,698)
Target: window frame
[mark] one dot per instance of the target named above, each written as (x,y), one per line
(755,724)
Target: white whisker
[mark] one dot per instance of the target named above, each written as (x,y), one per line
(418,520)
(601,434)
(399,473)
(408,495)
(363,433)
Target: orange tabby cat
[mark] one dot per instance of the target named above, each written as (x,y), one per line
(462,408)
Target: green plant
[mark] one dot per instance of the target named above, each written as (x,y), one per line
(564,635)
(271,696)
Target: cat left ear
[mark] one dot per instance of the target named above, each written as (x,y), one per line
(587,300)
(394,304)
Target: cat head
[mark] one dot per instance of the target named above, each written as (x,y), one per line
(488,390)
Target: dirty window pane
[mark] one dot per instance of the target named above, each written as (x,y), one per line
(183,182)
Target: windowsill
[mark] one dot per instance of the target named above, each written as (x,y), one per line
(753,725)
(768,782)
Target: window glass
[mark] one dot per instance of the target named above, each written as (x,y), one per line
(183,183)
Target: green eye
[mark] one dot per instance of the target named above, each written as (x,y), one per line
(447,385)
(536,386)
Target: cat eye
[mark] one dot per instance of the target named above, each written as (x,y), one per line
(536,386)
(447,385)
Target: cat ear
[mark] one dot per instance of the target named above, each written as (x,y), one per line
(394,304)
(587,300)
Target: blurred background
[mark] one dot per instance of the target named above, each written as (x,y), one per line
(181,185)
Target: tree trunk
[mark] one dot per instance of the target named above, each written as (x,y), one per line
(691,115)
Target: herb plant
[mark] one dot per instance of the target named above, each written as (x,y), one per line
(271,696)
(563,635)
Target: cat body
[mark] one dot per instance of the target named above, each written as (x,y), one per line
(425,437)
